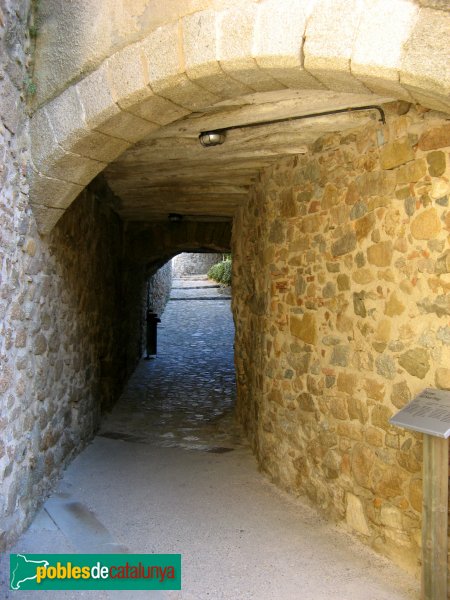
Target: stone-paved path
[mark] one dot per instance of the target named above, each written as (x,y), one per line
(184,397)
(169,473)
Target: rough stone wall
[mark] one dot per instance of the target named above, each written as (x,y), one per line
(341,300)
(191,263)
(135,300)
(16,271)
(158,290)
(62,351)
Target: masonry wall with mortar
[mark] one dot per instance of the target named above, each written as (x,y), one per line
(59,303)
(159,286)
(341,278)
(17,272)
(65,351)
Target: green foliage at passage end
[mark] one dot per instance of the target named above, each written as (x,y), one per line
(221,271)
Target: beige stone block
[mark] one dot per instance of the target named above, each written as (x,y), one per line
(51,192)
(167,71)
(407,460)
(373,437)
(435,138)
(347,383)
(235,34)
(399,539)
(383,331)
(355,516)
(363,459)
(436,163)
(377,54)
(44,147)
(394,306)
(431,100)
(380,417)
(74,168)
(443,263)
(364,226)
(416,361)
(357,409)
(46,218)
(127,126)
(158,110)
(338,408)
(392,440)
(51,159)
(380,254)
(401,394)
(391,517)
(350,430)
(96,97)
(278,42)
(162,53)
(67,118)
(201,56)
(425,65)
(396,153)
(73,36)
(426,225)
(390,483)
(363,276)
(439,188)
(99,146)
(415,494)
(376,183)
(412,171)
(330,36)
(304,327)
(373,388)
(388,89)
(128,76)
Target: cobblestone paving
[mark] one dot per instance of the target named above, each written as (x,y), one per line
(184,397)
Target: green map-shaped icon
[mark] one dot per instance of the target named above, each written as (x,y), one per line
(23,569)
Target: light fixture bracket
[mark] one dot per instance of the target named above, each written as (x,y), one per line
(217,136)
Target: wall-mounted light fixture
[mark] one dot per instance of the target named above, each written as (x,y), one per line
(217,137)
(212,138)
(175,217)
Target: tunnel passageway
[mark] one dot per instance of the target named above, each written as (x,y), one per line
(169,473)
(184,397)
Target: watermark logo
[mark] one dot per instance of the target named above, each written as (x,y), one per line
(24,570)
(95,571)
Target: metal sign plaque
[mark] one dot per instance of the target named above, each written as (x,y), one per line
(429,412)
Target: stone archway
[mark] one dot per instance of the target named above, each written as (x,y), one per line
(392,49)
(159,81)
(158,242)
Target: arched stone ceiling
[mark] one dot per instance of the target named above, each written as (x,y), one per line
(170,171)
(186,71)
(156,243)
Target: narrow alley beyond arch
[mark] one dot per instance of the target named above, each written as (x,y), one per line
(184,397)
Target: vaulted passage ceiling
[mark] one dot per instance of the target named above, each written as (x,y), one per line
(169,171)
(111,76)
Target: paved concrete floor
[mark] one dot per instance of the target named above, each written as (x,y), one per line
(169,473)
